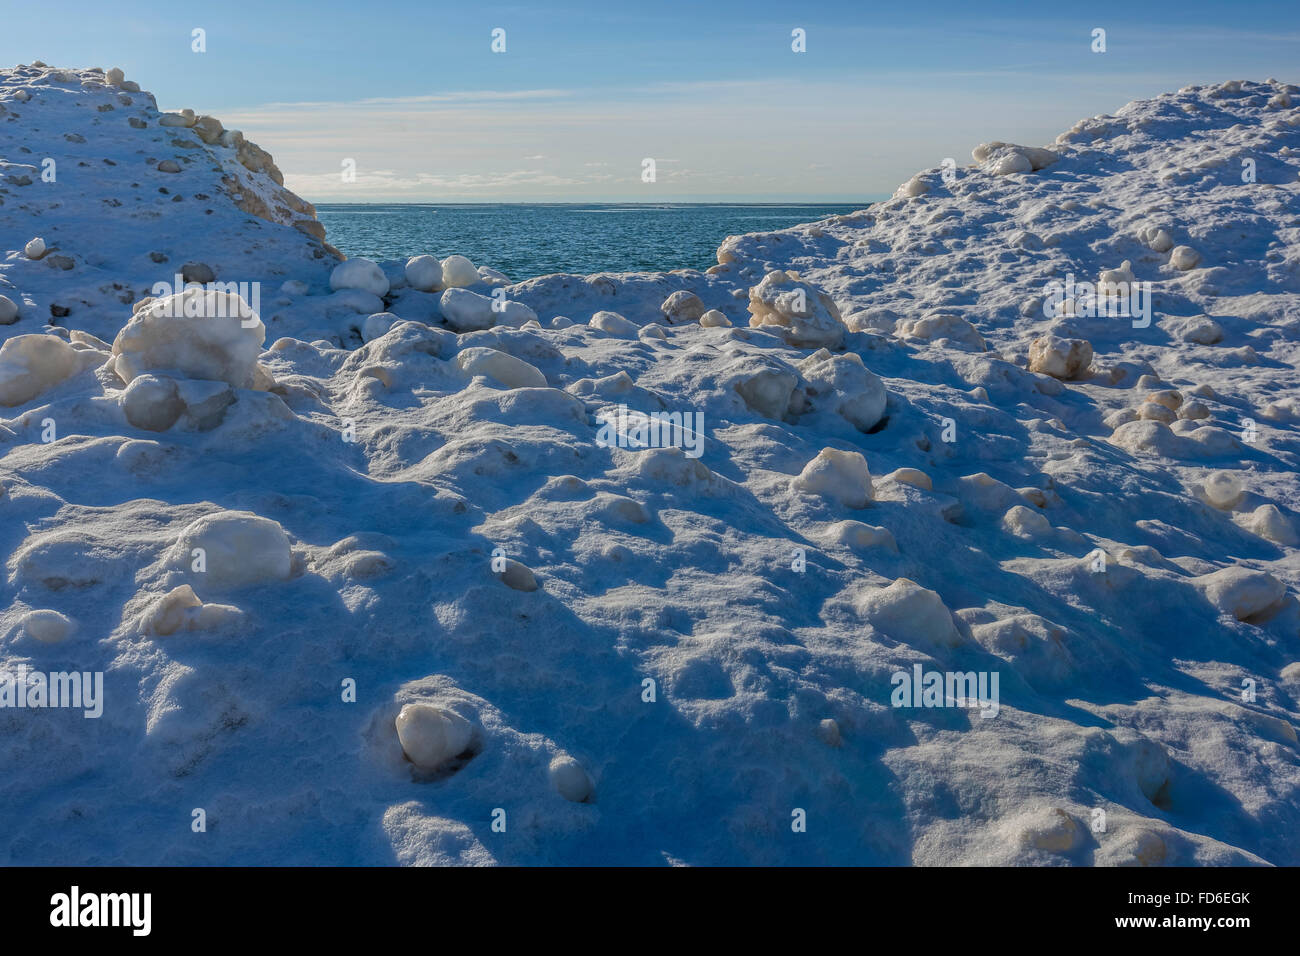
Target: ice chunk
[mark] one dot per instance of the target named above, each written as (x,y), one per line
(1184,258)
(424,273)
(1241,592)
(943,326)
(613,324)
(1223,489)
(31,364)
(907,612)
(1058,357)
(361,274)
(238,548)
(841,476)
(805,316)
(466,311)
(430,735)
(458,272)
(682,307)
(1269,522)
(152,403)
(202,333)
(852,390)
(47,627)
(506,369)
(570,779)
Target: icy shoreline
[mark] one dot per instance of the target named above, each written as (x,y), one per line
(359,570)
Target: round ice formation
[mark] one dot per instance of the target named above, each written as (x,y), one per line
(152,403)
(201,333)
(570,779)
(1058,357)
(458,272)
(910,613)
(613,324)
(681,307)
(943,327)
(430,736)
(854,391)
(1269,522)
(841,476)
(48,627)
(829,731)
(238,548)
(8,310)
(423,273)
(30,364)
(518,576)
(806,317)
(34,249)
(858,534)
(1051,829)
(466,311)
(1242,592)
(377,325)
(713,319)
(1184,258)
(359,274)
(1223,490)
(506,369)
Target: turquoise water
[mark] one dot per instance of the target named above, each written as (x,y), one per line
(526,240)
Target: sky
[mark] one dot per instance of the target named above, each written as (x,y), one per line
(415,97)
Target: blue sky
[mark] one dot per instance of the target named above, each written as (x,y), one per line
(584,92)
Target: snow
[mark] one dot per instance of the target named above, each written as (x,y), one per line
(392,483)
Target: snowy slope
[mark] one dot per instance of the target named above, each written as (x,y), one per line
(1115,541)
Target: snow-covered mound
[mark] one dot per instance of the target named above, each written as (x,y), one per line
(415,564)
(116,196)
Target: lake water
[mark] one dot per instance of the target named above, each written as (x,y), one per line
(526,240)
